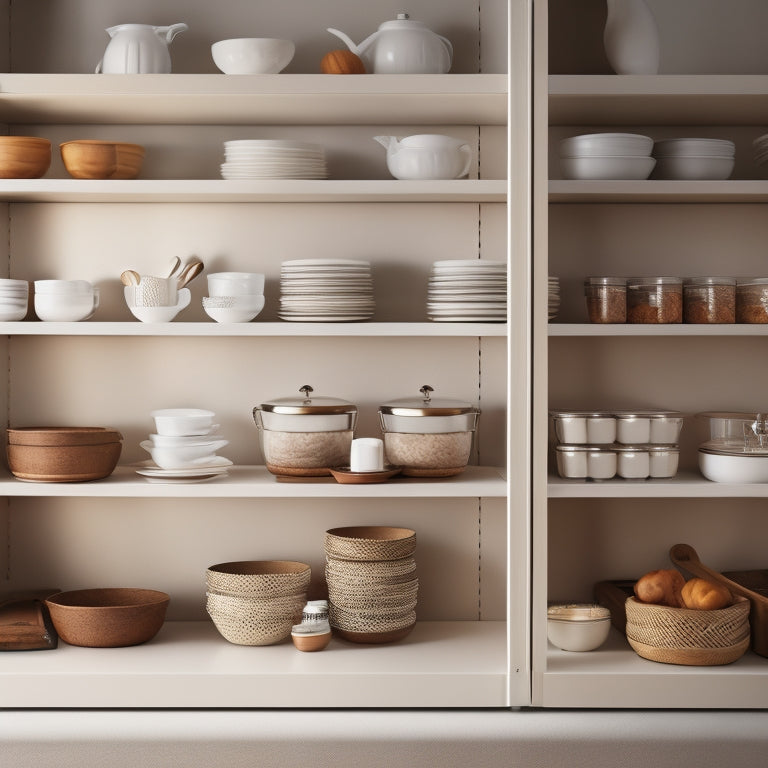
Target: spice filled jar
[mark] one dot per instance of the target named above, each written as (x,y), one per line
(428,437)
(709,300)
(655,300)
(305,435)
(752,301)
(606,299)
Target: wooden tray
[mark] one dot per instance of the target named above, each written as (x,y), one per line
(613,595)
(750,584)
(25,624)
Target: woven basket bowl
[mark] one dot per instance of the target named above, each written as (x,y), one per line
(689,637)
(341,595)
(354,622)
(259,578)
(381,571)
(372,542)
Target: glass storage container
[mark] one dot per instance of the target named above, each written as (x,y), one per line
(709,300)
(606,299)
(582,462)
(655,300)
(752,301)
(584,427)
(640,427)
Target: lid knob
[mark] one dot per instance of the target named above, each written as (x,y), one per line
(402,16)
(426,390)
(306,390)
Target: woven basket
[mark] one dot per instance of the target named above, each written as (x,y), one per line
(259,578)
(689,637)
(373,542)
(393,571)
(355,622)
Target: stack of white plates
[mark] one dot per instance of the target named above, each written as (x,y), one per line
(553,296)
(326,290)
(592,156)
(273,159)
(694,159)
(760,149)
(467,290)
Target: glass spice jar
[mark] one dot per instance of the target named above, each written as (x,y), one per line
(655,300)
(606,299)
(752,301)
(709,300)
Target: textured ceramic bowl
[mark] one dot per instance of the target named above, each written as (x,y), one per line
(63,454)
(253,55)
(108,618)
(369,542)
(578,627)
(94,159)
(24,157)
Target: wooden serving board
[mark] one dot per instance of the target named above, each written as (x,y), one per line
(25,624)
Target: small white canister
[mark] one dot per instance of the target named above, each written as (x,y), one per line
(586,462)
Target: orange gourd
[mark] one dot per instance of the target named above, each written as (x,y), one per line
(342,62)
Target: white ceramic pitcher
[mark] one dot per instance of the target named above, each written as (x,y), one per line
(138,49)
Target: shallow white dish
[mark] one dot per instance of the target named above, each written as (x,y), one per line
(696,147)
(183,456)
(160,314)
(253,55)
(694,168)
(734,468)
(607,168)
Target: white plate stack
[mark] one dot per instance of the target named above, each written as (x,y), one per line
(14,299)
(553,297)
(273,159)
(326,290)
(694,159)
(467,290)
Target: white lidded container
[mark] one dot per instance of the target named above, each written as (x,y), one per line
(641,427)
(633,462)
(664,460)
(305,435)
(586,462)
(428,437)
(584,427)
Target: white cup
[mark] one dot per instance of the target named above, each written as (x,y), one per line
(63,307)
(366,455)
(153,292)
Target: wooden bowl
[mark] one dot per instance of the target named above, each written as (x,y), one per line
(24,157)
(63,454)
(94,159)
(108,618)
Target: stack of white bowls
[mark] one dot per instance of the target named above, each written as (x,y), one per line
(65,301)
(184,446)
(760,150)
(234,297)
(604,156)
(273,159)
(14,298)
(694,159)
(553,297)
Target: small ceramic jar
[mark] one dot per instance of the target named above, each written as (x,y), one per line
(633,462)
(582,462)
(663,460)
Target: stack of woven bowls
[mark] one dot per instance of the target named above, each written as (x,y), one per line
(372,583)
(256,602)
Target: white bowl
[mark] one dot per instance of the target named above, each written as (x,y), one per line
(12,312)
(233,309)
(607,168)
(235,284)
(697,147)
(253,55)
(176,441)
(734,468)
(182,456)
(606,145)
(66,307)
(158,314)
(63,286)
(578,626)
(693,168)
(183,421)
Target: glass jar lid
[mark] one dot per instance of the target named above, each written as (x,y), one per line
(426,406)
(710,281)
(308,404)
(608,281)
(634,282)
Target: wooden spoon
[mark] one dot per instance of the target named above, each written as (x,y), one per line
(130,277)
(189,273)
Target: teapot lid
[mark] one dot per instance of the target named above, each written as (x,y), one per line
(308,404)
(426,406)
(403,21)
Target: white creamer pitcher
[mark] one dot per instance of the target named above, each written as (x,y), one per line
(138,49)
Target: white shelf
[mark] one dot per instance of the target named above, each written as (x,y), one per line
(661,329)
(188,664)
(254,99)
(685,485)
(658,100)
(257,482)
(256,328)
(652,191)
(252,191)
(615,676)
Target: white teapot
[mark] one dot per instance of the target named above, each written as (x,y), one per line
(402,47)
(426,156)
(138,49)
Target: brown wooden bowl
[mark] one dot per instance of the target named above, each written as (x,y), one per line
(95,159)
(108,618)
(24,157)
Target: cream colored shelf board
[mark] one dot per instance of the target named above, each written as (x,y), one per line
(652,191)
(685,485)
(254,328)
(671,329)
(251,191)
(188,664)
(254,99)
(257,482)
(614,676)
(658,100)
